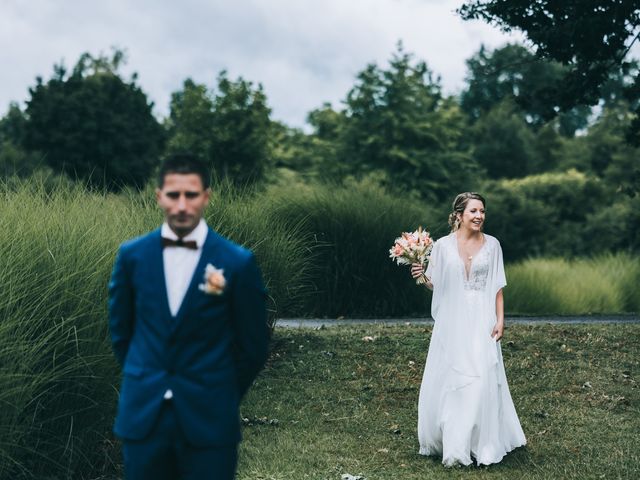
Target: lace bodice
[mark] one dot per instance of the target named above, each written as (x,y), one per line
(479,271)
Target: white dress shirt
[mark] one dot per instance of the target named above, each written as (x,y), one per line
(179,267)
(180,264)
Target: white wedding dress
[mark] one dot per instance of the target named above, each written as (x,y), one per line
(465,409)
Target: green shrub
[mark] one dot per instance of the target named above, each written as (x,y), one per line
(543,215)
(615,227)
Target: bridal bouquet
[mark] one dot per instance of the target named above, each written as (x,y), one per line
(411,248)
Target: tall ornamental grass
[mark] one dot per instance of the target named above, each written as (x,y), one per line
(604,284)
(58,378)
(280,244)
(349,230)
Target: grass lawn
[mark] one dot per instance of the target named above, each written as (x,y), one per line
(343,400)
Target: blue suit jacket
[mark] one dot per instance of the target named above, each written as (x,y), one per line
(208,354)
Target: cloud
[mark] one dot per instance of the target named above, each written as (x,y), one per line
(304,53)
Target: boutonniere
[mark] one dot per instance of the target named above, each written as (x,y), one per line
(214,281)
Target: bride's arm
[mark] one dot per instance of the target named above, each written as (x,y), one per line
(498,329)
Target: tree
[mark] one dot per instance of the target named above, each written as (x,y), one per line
(591,38)
(191,118)
(615,90)
(609,156)
(503,143)
(14,160)
(230,129)
(241,130)
(311,155)
(396,121)
(513,72)
(12,125)
(93,125)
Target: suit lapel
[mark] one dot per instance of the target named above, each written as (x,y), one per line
(196,279)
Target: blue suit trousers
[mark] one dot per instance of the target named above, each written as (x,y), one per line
(165,454)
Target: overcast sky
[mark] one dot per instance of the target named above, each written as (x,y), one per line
(303,52)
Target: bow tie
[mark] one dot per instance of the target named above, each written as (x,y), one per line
(190,244)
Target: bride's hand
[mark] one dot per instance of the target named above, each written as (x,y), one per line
(498,331)
(417,270)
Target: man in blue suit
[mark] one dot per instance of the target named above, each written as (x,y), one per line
(188,325)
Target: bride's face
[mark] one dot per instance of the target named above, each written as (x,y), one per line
(473,216)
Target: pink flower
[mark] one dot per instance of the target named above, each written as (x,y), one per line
(412,247)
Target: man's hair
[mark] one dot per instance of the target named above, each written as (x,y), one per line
(184,163)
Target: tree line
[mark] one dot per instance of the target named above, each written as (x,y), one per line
(557,158)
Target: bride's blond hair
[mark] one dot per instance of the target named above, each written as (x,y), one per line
(459,204)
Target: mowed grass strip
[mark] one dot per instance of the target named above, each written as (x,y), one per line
(344,400)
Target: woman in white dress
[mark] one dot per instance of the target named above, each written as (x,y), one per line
(465,411)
